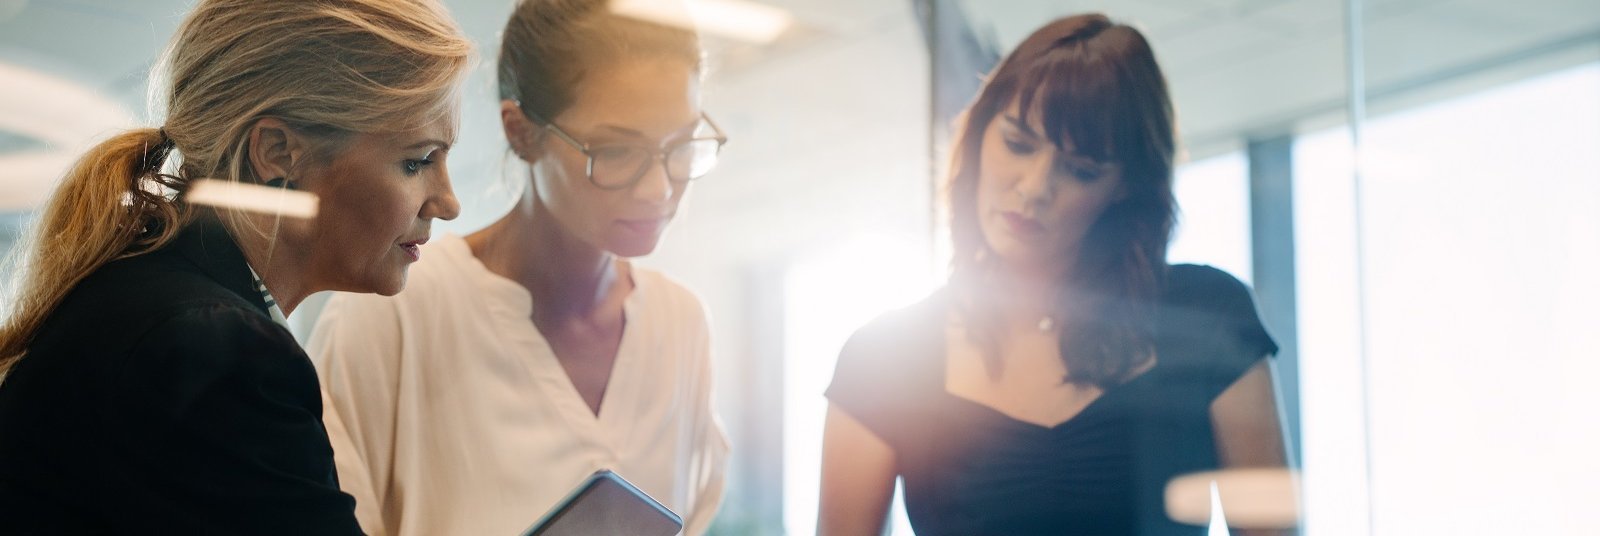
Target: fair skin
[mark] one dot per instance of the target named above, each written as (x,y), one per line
(378,196)
(566,239)
(1035,203)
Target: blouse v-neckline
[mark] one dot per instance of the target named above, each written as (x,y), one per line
(515,310)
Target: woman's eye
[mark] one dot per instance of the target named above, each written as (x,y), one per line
(1019,148)
(1084,173)
(415,166)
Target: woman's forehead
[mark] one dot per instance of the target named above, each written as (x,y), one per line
(641,94)
(1033,123)
(440,131)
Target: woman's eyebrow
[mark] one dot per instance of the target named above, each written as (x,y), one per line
(429,143)
(615,129)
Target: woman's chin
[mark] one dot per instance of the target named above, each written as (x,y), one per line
(385,285)
(634,246)
(393,286)
(1012,251)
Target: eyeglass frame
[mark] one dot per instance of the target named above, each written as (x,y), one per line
(659,155)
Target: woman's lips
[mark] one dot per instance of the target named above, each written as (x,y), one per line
(414,248)
(648,226)
(1022,225)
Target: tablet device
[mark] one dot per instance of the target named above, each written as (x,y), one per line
(606,504)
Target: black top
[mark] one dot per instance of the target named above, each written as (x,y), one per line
(160,398)
(969,469)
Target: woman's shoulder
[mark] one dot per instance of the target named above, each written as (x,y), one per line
(151,284)
(125,299)
(897,343)
(1193,283)
(184,345)
(665,294)
(1194,291)
(223,336)
(920,321)
(1208,322)
(890,365)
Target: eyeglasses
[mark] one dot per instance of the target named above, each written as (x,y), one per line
(620,166)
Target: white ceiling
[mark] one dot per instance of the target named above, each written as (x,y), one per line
(1264,67)
(1237,67)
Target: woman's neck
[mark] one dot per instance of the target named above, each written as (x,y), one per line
(565,275)
(283,272)
(1025,294)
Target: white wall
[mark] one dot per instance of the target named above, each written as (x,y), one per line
(1482,332)
(1478,321)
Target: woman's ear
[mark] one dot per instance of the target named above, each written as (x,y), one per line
(520,131)
(274,149)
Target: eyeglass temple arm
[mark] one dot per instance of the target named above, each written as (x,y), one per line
(551,126)
(721,136)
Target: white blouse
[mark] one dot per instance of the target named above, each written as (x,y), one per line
(449,413)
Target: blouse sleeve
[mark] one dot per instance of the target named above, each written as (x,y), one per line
(220,423)
(356,347)
(1212,318)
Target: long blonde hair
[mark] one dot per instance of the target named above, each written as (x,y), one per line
(329,69)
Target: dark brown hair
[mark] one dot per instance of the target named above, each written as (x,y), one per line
(1096,83)
(550,45)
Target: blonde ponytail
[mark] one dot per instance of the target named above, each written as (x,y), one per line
(330,69)
(100,212)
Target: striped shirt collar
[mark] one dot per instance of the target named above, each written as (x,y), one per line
(266,297)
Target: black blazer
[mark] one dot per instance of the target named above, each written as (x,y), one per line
(161,398)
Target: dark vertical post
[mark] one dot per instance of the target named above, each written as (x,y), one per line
(958,59)
(1272,246)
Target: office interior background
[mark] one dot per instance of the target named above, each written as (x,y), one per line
(1412,187)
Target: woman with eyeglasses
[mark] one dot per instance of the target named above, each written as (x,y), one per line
(526,356)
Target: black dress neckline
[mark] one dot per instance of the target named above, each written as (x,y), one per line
(941,350)
(968,468)
(1104,399)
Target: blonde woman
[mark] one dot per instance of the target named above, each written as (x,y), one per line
(529,354)
(149,384)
